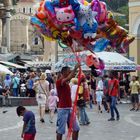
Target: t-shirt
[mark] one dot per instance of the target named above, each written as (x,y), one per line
(30,83)
(52,101)
(99,92)
(15,82)
(113,87)
(134,85)
(64,94)
(7,83)
(99,95)
(29,119)
(100,85)
(93,84)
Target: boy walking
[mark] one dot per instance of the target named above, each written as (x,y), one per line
(29,129)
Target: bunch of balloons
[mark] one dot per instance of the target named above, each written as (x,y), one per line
(89,26)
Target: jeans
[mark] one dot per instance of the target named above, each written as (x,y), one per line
(15,92)
(63,119)
(90,104)
(113,107)
(5,100)
(83,116)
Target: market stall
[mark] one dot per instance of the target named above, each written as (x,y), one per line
(112,60)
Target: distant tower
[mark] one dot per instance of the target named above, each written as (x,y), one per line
(23,38)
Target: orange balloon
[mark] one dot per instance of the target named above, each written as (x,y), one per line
(41,15)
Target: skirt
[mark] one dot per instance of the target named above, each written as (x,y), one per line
(41,99)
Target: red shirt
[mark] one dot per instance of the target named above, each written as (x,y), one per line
(64,94)
(113,87)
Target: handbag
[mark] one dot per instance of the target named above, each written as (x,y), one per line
(81,103)
(86,93)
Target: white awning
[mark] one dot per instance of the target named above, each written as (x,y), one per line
(116,61)
(9,64)
(4,69)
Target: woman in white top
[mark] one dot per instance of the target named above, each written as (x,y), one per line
(42,87)
(74,87)
(99,95)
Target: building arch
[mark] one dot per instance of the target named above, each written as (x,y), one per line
(136,26)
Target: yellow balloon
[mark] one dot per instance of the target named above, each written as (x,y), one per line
(48,38)
(86,3)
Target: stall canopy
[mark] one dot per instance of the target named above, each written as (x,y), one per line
(112,60)
(5,70)
(37,64)
(12,65)
(116,61)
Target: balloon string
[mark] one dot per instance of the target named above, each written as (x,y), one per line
(74,108)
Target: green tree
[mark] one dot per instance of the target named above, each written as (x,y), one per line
(124,10)
(114,5)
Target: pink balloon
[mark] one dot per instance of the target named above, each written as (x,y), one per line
(101,9)
(103,15)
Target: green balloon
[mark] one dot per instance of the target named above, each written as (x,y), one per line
(62,45)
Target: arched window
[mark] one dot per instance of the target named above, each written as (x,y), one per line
(36,41)
(24,10)
(30,10)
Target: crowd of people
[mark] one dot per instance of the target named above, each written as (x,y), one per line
(57,93)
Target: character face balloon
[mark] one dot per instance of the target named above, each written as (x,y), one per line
(65,14)
(92,60)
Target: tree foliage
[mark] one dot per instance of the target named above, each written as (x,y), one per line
(115,4)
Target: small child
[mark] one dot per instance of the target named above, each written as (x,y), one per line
(52,101)
(29,129)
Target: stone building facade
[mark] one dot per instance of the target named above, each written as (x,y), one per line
(134,28)
(23,37)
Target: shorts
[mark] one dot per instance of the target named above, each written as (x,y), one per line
(134,98)
(99,103)
(29,137)
(63,119)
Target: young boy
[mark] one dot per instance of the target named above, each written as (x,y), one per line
(29,129)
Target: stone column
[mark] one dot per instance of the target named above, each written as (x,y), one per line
(7,5)
(3,32)
(8,29)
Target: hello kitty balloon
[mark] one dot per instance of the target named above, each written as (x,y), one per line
(65,14)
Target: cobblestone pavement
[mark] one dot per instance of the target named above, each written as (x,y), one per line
(128,128)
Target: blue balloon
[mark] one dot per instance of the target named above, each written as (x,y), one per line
(100,45)
(75,5)
(36,21)
(49,7)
